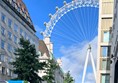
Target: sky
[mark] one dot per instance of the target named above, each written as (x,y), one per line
(71,35)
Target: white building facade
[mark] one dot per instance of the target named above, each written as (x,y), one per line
(15,23)
(104,27)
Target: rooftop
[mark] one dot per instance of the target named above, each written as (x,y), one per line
(21,10)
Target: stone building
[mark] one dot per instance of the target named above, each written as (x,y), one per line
(45,51)
(15,22)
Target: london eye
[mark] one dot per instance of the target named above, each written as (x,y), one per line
(72,28)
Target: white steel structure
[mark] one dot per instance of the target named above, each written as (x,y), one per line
(65,9)
(89,54)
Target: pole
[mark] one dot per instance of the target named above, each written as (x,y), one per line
(85,65)
(89,53)
(93,65)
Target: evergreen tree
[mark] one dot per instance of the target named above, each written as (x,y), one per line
(68,78)
(50,71)
(26,64)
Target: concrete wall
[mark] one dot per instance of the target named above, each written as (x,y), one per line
(114,41)
(27,32)
(105,24)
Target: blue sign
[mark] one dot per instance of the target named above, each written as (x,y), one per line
(17,81)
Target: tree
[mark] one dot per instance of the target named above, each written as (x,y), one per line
(26,64)
(50,71)
(68,78)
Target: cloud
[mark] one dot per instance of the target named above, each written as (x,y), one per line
(74,58)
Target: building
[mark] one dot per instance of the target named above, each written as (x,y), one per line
(44,55)
(114,45)
(59,75)
(15,22)
(104,26)
(45,52)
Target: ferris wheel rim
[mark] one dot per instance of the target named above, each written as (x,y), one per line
(60,12)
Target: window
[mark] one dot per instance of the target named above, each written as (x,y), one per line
(15,39)
(105,64)
(9,48)
(105,78)
(14,49)
(9,35)
(2,44)
(14,0)
(15,27)
(3,18)
(2,58)
(9,72)
(18,40)
(106,36)
(28,38)
(3,31)
(3,70)
(13,3)
(18,9)
(9,23)
(104,51)
(9,59)
(21,32)
(25,35)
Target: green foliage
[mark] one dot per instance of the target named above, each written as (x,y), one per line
(50,71)
(26,64)
(25,81)
(68,78)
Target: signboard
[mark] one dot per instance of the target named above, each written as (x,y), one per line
(17,81)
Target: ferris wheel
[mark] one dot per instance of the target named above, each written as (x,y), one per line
(60,12)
